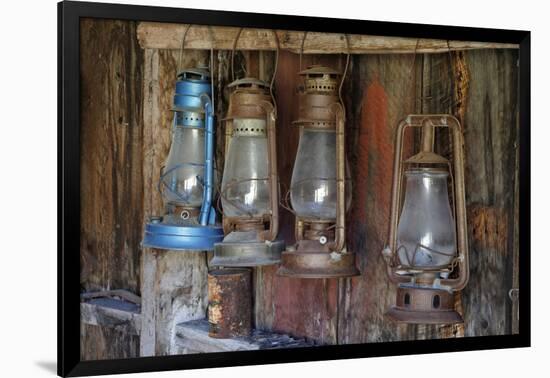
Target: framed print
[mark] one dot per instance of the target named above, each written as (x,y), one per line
(243,188)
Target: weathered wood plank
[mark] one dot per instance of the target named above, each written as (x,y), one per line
(112,142)
(124,294)
(112,314)
(147,340)
(193,337)
(382,93)
(491,146)
(111,173)
(100,343)
(154,35)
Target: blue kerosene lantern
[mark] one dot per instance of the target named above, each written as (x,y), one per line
(187,180)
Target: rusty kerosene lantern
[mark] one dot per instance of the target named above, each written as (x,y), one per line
(250,189)
(427,252)
(320,190)
(187,180)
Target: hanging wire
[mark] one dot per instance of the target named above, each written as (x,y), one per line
(452,76)
(302,48)
(213,43)
(233,54)
(178,67)
(348,54)
(277,45)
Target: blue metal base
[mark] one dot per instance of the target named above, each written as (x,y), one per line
(183,238)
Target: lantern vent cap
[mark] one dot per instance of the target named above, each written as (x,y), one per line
(249,82)
(201,74)
(427,157)
(318,70)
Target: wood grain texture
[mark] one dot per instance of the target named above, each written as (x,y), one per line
(100,343)
(155,35)
(126,97)
(382,89)
(491,147)
(111,171)
(99,313)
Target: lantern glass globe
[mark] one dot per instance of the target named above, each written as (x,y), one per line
(184,168)
(313,183)
(426,235)
(245,184)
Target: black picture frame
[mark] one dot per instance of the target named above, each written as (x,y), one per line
(69,15)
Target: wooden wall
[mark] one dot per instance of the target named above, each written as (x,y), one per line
(111,172)
(126,97)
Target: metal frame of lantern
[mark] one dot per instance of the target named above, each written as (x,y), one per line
(425,295)
(183,227)
(320,249)
(251,240)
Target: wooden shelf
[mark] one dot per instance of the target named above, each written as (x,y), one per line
(192,337)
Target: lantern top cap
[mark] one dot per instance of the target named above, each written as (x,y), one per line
(427,157)
(249,82)
(195,74)
(318,69)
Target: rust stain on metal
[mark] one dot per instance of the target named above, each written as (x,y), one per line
(229,303)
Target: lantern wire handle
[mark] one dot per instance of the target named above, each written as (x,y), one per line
(233,54)
(348,54)
(212,44)
(302,48)
(451,78)
(276,37)
(180,57)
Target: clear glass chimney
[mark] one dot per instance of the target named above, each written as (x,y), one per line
(184,168)
(245,184)
(313,184)
(426,235)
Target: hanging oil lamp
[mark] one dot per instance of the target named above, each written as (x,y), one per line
(427,252)
(187,180)
(250,189)
(320,190)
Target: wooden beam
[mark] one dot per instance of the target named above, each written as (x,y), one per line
(112,313)
(156,35)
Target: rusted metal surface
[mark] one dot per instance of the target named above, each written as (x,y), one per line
(427,123)
(318,93)
(229,303)
(320,252)
(313,260)
(251,99)
(416,305)
(251,241)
